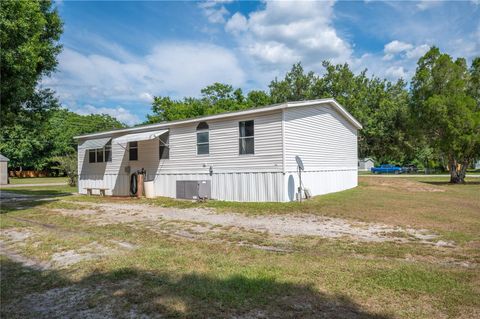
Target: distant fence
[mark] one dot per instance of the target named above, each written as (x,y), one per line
(29,173)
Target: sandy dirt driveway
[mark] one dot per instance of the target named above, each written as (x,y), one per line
(280,225)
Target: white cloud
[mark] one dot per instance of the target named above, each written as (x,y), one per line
(399,59)
(214,11)
(120,113)
(285,32)
(237,23)
(396,72)
(417,52)
(427,4)
(145,96)
(397,47)
(176,69)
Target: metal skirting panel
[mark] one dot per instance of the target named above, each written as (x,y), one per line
(321,182)
(240,187)
(248,187)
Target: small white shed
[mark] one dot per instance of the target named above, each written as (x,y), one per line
(246,156)
(365,164)
(3,170)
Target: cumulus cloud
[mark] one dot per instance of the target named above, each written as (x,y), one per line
(418,51)
(215,11)
(427,4)
(120,113)
(284,32)
(396,47)
(396,72)
(410,51)
(237,23)
(175,69)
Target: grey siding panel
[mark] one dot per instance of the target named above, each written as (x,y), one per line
(258,176)
(224,155)
(239,186)
(321,137)
(327,144)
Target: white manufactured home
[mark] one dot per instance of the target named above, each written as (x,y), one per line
(245,156)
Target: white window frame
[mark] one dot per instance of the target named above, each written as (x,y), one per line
(204,143)
(95,150)
(246,137)
(130,148)
(167,145)
(201,131)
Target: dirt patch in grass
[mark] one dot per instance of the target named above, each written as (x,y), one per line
(403,185)
(14,242)
(25,261)
(16,234)
(93,250)
(282,225)
(67,302)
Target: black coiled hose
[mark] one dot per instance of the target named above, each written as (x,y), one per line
(133,184)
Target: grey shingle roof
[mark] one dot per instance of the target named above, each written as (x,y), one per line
(3,158)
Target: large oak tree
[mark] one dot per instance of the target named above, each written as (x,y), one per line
(445,104)
(29,35)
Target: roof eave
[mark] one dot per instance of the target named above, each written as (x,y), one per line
(138,129)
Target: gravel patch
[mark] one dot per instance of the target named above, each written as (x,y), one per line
(87,252)
(16,234)
(74,302)
(283,225)
(25,261)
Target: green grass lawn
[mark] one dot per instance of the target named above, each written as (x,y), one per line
(37,180)
(216,275)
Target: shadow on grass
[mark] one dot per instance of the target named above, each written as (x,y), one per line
(443,183)
(24,199)
(133,293)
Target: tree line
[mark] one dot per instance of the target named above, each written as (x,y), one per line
(36,132)
(433,121)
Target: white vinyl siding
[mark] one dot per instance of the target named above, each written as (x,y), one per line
(223,147)
(324,139)
(184,161)
(327,145)
(321,137)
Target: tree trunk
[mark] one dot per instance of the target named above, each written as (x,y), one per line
(457,171)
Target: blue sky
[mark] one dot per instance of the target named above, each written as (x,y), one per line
(118,55)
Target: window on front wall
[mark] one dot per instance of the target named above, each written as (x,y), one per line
(164,149)
(133,151)
(92,156)
(203,139)
(246,138)
(101,155)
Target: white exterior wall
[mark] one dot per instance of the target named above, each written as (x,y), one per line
(323,138)
(3,173)
(235,177)
(327,144)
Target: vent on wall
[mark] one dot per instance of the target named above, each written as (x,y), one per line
(193,189)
